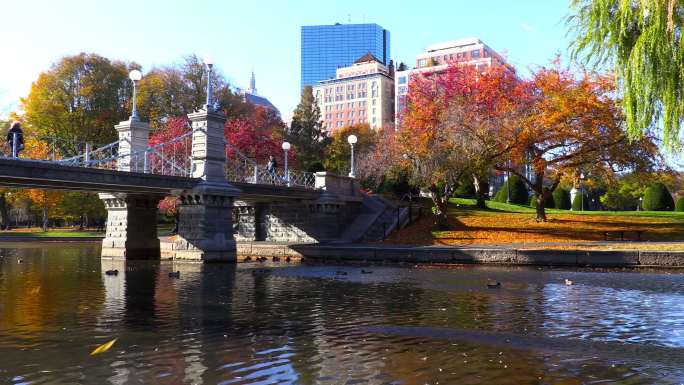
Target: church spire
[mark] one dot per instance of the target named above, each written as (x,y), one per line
(252,85)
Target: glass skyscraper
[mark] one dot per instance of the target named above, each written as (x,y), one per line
(327,47)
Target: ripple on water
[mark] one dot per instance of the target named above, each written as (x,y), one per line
(304,324)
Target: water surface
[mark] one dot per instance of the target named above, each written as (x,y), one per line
(325,324)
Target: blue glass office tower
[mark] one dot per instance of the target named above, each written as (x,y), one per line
(327,47)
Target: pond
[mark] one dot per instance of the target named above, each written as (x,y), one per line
(330,324)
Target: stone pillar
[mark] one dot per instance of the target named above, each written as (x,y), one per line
(208,146)
(133,141)
(205,229)
(131,226)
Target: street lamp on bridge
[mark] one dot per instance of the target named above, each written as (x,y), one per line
(286,148)
(209,61)
(352,139)
(135,76)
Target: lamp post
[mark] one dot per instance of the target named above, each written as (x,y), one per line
(582,189)
(352,139)
(209,61)
(286,148)
(135,76)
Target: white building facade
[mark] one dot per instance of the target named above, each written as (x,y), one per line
(468,51)
(362,93)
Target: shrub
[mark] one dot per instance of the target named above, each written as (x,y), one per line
(561,199)
(519,194)
(466,188)
(679,206)
(548,203)
(577,202)
(658,198)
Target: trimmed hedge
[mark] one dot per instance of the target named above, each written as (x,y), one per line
(577,202)
(679,206)
(548,203)
(519,193)
(658,198)
(561,199)
(465,189)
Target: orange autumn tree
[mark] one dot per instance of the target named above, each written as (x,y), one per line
(570,123)
(46,200)
(452,127)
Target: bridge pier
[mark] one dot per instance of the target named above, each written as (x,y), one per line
(205,229)
(131,226)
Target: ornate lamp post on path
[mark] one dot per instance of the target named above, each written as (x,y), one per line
(352,139)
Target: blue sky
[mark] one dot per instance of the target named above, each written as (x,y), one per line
(261,35)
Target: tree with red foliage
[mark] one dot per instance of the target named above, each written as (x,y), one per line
(570,123)
(451,127)
(259,135)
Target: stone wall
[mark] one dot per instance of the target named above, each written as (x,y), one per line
(293,221)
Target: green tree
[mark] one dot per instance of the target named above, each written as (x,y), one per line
(80,98)
(338,153)
(561,199)
(679,205)
(658,198)
(306,130)
(519,194)
(579,201)
(170,91)
(643,40)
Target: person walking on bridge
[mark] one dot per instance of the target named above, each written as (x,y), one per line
(15,133)
(271,167)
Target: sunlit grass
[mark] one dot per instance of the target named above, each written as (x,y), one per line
(503,223)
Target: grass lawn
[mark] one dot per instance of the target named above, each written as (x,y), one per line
(503,223)
(37,232)
(163,229)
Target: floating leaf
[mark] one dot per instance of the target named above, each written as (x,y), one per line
(35,290)
(104,347)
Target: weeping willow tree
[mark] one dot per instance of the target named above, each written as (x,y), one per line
(643,40)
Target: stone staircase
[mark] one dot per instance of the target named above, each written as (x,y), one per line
(379,217)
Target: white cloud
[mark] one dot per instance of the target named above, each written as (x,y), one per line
(526,26)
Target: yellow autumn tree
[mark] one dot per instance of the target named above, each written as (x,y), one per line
(46,200)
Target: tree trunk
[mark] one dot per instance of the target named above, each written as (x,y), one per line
(176,220)
(45,219)
(540,194)
(479,193)
(540,199)
(4,217)
(440,208)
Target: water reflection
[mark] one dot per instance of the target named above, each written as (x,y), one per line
(308,325)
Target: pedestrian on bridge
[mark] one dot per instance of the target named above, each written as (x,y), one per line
(15,133)
(271,168)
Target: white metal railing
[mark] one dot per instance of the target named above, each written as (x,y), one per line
(241,168)
(173,158)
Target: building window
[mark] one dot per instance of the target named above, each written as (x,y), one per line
(374,120)
(475,54)
(351,114)
(350,105)
(373,113)
(402,79)
(350,87)
(485,52)
(422,62)
(403,89)
(374,100)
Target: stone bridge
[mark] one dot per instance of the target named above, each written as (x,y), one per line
(216,206)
